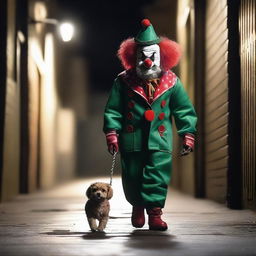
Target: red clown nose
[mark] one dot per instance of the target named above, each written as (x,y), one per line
(148,62)
(149,115)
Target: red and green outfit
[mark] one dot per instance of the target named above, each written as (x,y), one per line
(138,121)
(144,128)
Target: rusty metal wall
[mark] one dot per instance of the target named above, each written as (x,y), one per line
(247,26)
(216,100)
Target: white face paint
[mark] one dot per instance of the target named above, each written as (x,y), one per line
(151,52)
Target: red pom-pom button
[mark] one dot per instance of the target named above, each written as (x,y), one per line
(161,128)
(148,62)
(131,104)
(145,23)
(130,128)
(163,103)
(149,115)
(161,116)
(130,116)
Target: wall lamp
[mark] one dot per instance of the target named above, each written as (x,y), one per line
(66,29)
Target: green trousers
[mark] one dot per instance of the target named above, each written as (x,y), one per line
(145,177)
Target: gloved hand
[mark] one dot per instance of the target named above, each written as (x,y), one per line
(112,142)
(188,144)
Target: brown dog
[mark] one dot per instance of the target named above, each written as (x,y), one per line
(97,207)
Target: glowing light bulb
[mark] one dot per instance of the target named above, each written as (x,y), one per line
(66,31)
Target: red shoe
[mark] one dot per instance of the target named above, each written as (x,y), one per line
(138,217)
(154,219)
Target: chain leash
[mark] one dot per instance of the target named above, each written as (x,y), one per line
(112,168)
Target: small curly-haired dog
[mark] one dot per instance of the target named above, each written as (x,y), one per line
(97,207)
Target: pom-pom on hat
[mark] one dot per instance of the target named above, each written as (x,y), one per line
(147,34)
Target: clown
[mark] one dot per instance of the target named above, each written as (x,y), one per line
(138,121)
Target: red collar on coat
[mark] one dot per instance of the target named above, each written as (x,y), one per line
(167,81)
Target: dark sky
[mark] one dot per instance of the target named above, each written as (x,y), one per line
(103,24)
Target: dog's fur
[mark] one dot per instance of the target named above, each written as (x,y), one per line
(97,207)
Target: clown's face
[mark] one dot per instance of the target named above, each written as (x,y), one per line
(148,62)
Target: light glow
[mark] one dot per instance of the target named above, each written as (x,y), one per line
(66,31)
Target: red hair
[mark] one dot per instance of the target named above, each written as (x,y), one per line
(127,53)
(170,53)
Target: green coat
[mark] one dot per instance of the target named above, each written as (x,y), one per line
(139,129)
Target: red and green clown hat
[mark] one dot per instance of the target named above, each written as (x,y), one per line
(147,34)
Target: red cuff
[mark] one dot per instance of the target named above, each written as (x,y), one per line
(111,133)
(112,141)
(189,140)
(111,137)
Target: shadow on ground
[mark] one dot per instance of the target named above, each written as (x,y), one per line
(136,239)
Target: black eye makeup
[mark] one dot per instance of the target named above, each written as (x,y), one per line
(143,56)
(152,57)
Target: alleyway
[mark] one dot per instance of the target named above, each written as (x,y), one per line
(53,223)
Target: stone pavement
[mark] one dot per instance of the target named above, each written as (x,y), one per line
(53,223)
